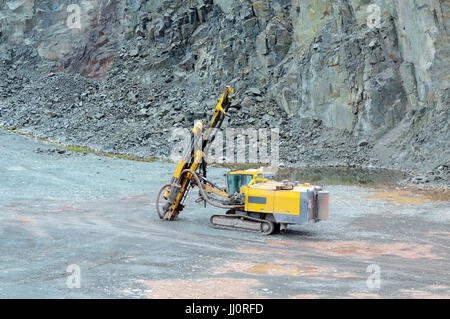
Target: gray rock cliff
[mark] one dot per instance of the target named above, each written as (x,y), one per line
(344,84)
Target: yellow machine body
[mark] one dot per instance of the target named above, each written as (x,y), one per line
(253,203)
(288,202)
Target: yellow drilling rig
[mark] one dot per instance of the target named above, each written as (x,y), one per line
(253,203)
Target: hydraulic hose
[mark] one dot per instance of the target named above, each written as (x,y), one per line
(202,192)
(161,216)
(205,195)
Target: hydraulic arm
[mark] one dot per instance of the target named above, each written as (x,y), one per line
(193,161)
(253,203)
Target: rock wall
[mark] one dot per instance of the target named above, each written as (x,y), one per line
(384,81)
(43,25)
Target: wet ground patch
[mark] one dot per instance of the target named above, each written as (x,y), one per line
(342,176)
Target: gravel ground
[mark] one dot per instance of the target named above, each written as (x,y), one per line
(62,208)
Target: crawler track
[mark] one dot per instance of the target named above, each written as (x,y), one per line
(242,222)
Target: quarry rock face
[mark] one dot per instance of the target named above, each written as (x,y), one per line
(47,27)
(340,70)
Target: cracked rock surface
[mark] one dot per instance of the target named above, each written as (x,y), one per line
(340,91)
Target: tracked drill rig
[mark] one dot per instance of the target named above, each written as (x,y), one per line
(252,203)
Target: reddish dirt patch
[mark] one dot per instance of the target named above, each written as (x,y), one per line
(367,250)
(219,288)
(363,295)
(23,220)
(442,234)
(439,287)
(345,275)
(422,294)
(280,243)
(254,251)
(257,250)
(276,268)
(304,296)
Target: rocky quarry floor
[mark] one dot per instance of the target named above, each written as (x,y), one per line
(61,210)
(340,92)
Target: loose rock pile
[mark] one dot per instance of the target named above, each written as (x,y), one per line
(341,94)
